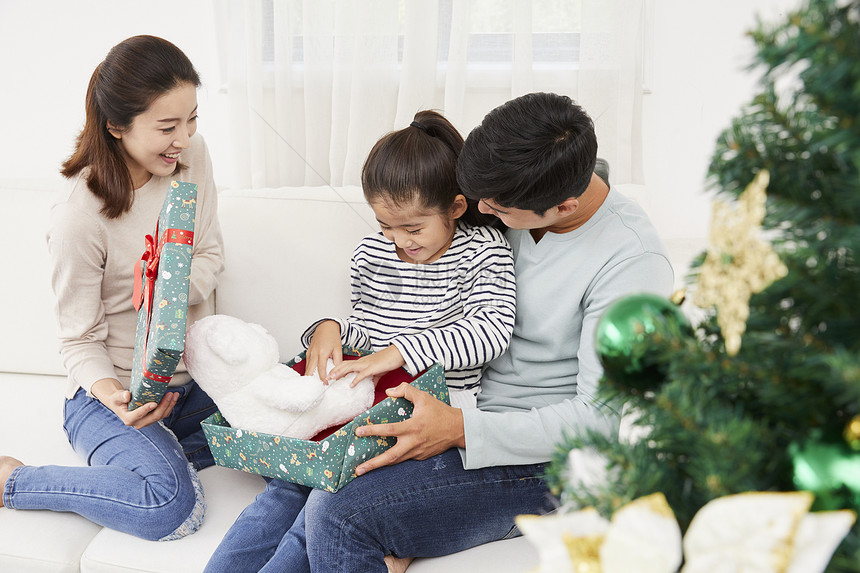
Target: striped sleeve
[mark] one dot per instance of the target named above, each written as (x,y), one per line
(458,311)
(352,330)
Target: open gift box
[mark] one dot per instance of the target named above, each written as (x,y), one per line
(328,460)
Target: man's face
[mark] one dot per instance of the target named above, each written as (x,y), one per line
(514,218)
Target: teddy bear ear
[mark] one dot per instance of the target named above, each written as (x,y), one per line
(265,339)
(227,346)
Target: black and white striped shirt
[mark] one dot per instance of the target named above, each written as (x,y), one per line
(458,310)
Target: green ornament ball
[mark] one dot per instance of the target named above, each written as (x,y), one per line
(632,336)
(831,471)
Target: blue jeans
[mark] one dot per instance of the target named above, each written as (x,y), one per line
(142,482)
(273,524)
(412,509)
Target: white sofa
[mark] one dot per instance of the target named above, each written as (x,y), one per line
(287,258)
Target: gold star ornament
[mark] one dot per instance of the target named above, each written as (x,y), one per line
(738,263)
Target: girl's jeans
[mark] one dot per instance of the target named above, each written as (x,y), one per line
(141,482)
(412,509)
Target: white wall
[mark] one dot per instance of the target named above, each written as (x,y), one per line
(48,49)
(698,80)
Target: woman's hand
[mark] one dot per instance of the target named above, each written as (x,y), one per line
(325,344)
(111,393)
(374,365)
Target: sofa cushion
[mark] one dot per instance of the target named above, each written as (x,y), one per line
(43,541)
(31,427)
(33,432)
(228,491)
(298,267)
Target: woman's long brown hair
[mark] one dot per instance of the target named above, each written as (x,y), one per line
(135,73)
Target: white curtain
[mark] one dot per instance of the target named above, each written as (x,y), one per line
(313,84)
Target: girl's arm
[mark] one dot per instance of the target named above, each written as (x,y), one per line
(324,344)
(488,296)
(352,331)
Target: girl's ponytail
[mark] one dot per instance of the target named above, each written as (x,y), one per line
(419,163)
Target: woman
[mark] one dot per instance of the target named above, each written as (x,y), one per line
(139,134)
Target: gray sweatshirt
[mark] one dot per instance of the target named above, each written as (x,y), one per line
(545,386)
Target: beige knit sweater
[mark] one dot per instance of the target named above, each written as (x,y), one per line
(93,260)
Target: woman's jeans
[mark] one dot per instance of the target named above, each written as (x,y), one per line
(142,482)
(412,509)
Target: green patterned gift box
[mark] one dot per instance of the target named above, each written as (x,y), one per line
(326,462)
(162,279)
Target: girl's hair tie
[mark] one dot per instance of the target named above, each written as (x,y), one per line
(420,126)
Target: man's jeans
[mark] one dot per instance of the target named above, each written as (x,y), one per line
(412,509)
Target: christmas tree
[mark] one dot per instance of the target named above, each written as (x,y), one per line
(763,394)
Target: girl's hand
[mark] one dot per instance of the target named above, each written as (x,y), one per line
(325,344)
(373,365)
(111,393)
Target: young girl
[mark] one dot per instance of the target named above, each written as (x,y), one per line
(139,134)
(433,286)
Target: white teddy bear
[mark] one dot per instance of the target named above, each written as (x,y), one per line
(237,364)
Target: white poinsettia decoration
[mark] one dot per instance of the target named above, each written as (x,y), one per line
(756,532)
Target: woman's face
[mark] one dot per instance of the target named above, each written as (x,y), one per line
(152,143)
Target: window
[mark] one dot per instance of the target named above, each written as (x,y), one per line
(555,32)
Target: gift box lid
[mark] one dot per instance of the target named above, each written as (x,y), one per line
(162,281)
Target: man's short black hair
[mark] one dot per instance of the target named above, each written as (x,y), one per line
(531,153)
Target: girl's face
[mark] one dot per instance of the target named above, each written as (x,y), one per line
(420,235)
(152,143)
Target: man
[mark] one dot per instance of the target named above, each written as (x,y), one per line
(457,478)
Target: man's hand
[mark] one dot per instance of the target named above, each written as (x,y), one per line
(433,428)
(111,393)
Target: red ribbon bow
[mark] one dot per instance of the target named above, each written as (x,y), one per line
(147,266)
